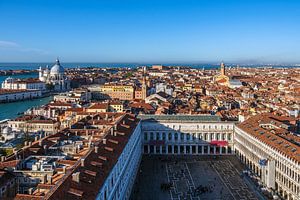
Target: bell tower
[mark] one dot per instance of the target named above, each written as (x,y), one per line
(222,69)
(144,85)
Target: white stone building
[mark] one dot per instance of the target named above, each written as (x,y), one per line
(55,76)
(266,147)
(23,84)
(186,134)
(10,95)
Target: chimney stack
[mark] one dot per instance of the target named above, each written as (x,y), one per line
(112,131)
(96,149)
(104,141)
(82,162)
(75,177)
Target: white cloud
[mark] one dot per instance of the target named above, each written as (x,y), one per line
(8,44)
(12,46)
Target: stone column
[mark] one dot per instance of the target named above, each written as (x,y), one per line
(197,149)
(148,148)
(160,149)
(172,149)
(202,149)
(184,149)
(167,149)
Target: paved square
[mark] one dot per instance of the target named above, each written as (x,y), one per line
(191,177)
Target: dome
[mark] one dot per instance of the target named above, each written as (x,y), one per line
(57,68)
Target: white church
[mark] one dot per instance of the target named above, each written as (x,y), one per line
(55,76)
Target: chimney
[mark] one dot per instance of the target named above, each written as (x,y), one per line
(2,158)
(30,190)
(106,116)
(49,179)
(75,177)
(96,149)
(112,131)
(41,142)
(82,162)
(44,179)
(64,169)
(36,138)
(104,141)
(89,144)
(30,143)
(124,122)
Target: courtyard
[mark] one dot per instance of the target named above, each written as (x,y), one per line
(191,177)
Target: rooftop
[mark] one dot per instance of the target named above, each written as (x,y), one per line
(181,118)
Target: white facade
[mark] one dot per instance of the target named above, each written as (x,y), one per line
(25,84)
(74,96)
(16,95)
(55,76)
(119,183)
(197,138)
(280,173)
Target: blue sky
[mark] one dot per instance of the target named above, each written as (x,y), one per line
(248,31)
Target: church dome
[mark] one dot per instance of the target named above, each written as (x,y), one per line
(57,68)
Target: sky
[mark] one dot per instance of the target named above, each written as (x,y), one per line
(151,31)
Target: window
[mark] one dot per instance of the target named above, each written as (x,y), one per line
(181,136)
(164,136)
(176,136)
(170,136)
(188,136)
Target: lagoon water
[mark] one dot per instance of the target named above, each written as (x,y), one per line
(11,110)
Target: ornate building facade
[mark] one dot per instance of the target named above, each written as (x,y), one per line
(55,76)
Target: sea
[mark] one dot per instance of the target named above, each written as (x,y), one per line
(33,66)
(12,110)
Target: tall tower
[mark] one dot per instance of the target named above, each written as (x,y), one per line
(40,70)
(144,85)
(222,69)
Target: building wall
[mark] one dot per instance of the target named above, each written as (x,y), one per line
(16,96)
(186,137)
(119,183)
(122,92)
(24,85)
(285,178)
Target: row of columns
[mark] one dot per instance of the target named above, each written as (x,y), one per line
(227,137)
(197,147)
